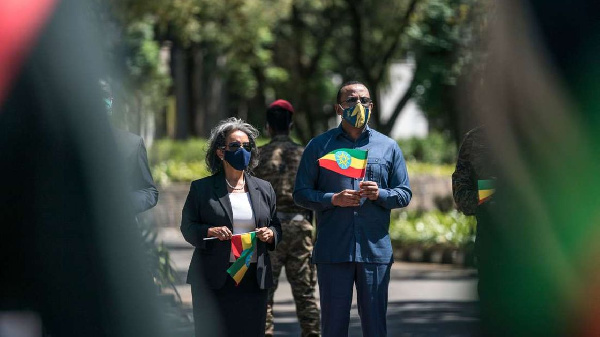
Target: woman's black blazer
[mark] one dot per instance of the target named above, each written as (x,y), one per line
(208,205)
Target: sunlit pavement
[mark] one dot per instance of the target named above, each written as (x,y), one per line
(424,299)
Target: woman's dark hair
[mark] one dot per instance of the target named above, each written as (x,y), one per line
(217,140)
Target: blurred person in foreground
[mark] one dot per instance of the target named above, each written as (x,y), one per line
(231,219)
(539,100)
(69,259)
(473,186)
(143,192)
(279,162)
(353,245)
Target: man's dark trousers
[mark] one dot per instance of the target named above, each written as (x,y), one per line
(336,281)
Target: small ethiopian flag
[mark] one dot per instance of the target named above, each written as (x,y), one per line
(349,162)
(243,247)
(486,189)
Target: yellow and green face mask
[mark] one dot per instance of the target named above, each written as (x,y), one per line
(357,116)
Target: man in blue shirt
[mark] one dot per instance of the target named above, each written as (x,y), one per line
(353,244)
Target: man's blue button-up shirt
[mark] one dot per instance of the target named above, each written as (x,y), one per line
(353,234)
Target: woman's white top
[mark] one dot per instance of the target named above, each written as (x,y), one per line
(243,217)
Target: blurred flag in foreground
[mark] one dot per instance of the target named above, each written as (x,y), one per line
(486,190)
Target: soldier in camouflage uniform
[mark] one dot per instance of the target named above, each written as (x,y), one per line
(475,162)
(278,164)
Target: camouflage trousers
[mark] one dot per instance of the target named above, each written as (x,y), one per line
(293,253)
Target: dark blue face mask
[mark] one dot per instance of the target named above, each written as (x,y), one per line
(238,159)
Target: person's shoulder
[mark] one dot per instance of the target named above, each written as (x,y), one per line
(324,137)
(329,133)
(272,146)
(260,182)
(265,146)
(199,183)
(126,138)
(474,136)
(126,134)
(291,145)
(266,151)
(380,138)
(475,132)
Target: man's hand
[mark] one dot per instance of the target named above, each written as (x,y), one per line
(265,234)
(369,189)
(346,198)
(222,233)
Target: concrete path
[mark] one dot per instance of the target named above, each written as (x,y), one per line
(424,299)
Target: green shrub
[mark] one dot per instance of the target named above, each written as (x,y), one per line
(420,168)
(191,150)
(436,148)
(180,161)
(183,161)
(451,229)
(174,171)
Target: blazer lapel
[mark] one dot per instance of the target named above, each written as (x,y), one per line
(220,190)
(254,196)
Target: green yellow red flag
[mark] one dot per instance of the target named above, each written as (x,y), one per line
(348,162)
(485,190)
(243,247)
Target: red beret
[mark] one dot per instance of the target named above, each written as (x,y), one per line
(282,103)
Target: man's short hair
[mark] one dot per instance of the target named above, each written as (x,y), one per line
(345,84)
(279,116)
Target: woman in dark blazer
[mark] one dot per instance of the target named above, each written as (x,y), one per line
(231,201)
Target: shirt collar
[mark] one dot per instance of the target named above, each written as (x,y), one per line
(280,138)
(340,131)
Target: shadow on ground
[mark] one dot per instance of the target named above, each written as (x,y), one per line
(418,319)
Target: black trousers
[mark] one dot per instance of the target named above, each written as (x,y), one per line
(242,309)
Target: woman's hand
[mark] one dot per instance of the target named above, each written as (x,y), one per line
(222,233)
(265,234)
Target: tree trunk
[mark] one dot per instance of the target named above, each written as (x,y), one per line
(375,120)
(386,128)
(180,85)
(198,88)
(258,103)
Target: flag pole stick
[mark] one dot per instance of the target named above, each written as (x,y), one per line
(365,169)
(214,237)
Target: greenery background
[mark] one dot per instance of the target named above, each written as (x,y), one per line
(183,161)
(179,66)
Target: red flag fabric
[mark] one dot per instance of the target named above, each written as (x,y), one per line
(20,23)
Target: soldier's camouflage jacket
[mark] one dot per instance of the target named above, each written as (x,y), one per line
(279,162)
(474,163)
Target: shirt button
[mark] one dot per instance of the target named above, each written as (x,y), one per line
(355,213)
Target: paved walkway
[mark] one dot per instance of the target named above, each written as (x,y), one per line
(424,299)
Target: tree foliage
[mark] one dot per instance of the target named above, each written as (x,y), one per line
(301,50)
